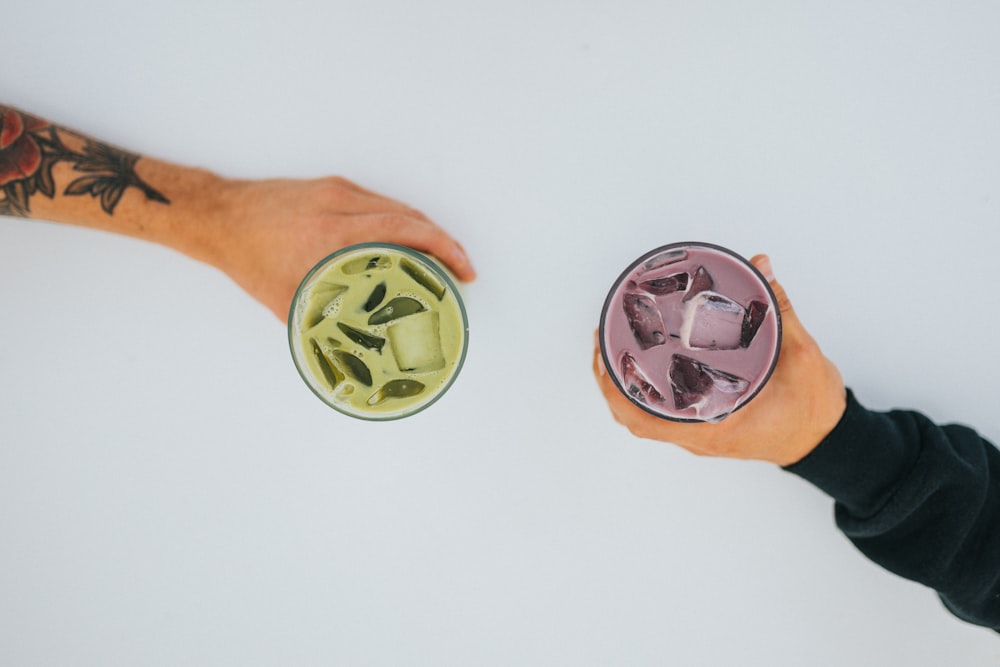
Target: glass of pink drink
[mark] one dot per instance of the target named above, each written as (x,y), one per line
(690,332)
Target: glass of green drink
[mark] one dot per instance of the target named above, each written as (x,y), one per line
(378,331)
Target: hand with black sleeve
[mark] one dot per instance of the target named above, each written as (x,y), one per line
(920,499)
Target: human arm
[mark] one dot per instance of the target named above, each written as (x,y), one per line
(264,234)
(919,499)
(799,405)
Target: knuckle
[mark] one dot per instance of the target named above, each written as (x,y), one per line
(642,430)
(781,297)
(337,182)
(393,221)
(333,189)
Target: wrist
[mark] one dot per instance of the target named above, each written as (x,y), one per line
(193,222)
(827,411)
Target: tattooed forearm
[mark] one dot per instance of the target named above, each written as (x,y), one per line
(30,147)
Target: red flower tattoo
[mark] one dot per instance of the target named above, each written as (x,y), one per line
(29,147)
(20,154)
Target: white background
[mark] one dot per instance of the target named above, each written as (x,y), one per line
(171,493)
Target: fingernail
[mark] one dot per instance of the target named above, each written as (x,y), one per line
(460,255)
(598,359)
(764,266)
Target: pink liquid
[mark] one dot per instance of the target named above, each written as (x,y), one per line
(703,337)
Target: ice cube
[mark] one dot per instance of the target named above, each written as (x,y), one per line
(362,264)
(396,389)
(701,281)
(330,373)
(401,306)
(637,384)
(664,259)
(353,367)
(756,312)
(362,338)
(375,298)
(424,277)
(322,296)
(327,289)
(415,342)
(678,282)
(645,320)
(712,322)
(712,393)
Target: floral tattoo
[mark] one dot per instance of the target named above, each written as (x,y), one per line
(30,147)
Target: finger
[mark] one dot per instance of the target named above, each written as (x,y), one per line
(599,369)
(644,425)
(789,319)
(451,252)
(622,409)
(349,197)
(612,397)
(419,234)
(354,187)
(763,264)
(460,258)
(616,401)
(436,241)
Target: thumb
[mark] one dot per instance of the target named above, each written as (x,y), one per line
(763,264)
(789,319)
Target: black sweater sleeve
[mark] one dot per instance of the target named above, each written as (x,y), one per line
(919,499)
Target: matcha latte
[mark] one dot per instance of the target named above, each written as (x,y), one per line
(378,331)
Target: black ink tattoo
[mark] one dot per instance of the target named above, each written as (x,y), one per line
(114,171)
(30,147)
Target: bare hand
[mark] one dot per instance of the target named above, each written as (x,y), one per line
(270,233)
(796,409)
(265,234)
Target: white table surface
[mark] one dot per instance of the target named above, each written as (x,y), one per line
(172,494)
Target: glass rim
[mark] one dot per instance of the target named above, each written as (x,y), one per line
(657,251)
(426,260)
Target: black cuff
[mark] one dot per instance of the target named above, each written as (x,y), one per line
(860,461)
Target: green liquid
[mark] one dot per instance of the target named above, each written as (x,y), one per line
(378,331)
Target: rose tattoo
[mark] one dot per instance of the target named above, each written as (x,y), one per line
(29,147)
